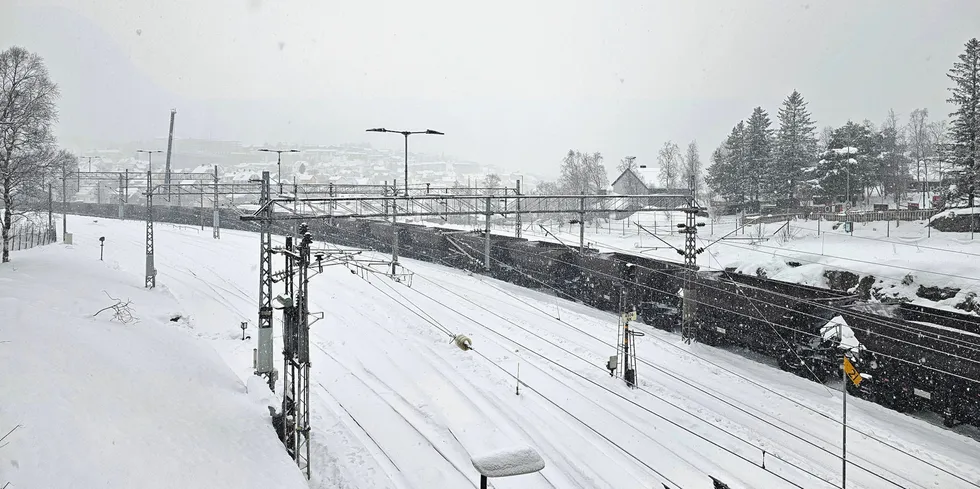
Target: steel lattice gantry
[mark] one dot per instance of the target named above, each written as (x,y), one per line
(455,205)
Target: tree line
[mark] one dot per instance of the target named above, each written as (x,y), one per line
(29,155)
(791,162)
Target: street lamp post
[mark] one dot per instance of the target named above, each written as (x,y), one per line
(279,153)
(406,134)
(150,153)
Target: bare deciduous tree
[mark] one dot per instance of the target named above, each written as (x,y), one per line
(917,133)
(669,160)
(939,136)
(691,173)
(492,180)
(582,173)
(627,163)
(27,113)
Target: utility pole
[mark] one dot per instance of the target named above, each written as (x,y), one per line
(394,228)
(202,206)
(581,226)
(689,329)
(486,234)
(406,134)
(625,358)
(279,153)
(843,390)
(151,272)
(170,146)
(263,353)
(518,225)
(149,152)
(296,350)
(122,211)
(64,202)
(50,210)
(216,234)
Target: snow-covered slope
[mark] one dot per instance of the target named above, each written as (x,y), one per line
(94,402)
(396,405)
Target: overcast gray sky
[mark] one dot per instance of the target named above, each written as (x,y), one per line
(514,83)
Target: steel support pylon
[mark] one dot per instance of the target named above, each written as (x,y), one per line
(151,272)
(122,207)
(688,326)
(216,218)
(296,351)
(518,225)
(263,354)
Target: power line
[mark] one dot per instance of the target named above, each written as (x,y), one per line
(695,385)
(802,300)
(957,341)
(806,333)
(436,324)
(577,374)
(963,343)
(754,382)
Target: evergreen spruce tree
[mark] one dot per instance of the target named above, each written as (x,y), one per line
(718,174)
(965,124)
(735,167)
(758,157)
(796,146)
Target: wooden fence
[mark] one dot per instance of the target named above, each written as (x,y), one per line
(868,216)
(27,237)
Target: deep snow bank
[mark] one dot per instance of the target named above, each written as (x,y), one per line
(98,403)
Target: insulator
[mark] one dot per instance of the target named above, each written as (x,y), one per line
(463,342)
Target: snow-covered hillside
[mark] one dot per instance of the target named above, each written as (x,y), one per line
(95,402)
(396,405)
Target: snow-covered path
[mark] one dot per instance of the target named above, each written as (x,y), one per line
(395,404)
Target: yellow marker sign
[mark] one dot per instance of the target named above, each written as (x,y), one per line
(629,316)
(852,372)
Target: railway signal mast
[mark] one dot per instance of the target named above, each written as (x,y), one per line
(625,358)
(689,328)
(295,424)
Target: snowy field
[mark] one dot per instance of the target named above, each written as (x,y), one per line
(90,402)
(909,253)
(394,403)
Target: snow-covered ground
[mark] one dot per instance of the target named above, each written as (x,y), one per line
(86,401)
(395,404)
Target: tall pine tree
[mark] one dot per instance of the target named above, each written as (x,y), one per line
(965,124)
(846,169)
(726,175)
(796,146)
(758,147)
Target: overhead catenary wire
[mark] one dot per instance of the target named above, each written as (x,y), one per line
(806,333)
(963,343)
(796,401)
(644,408)
(940,336)
(788,328)
(695,384)
(742,247)
(817,412)
(524,383)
